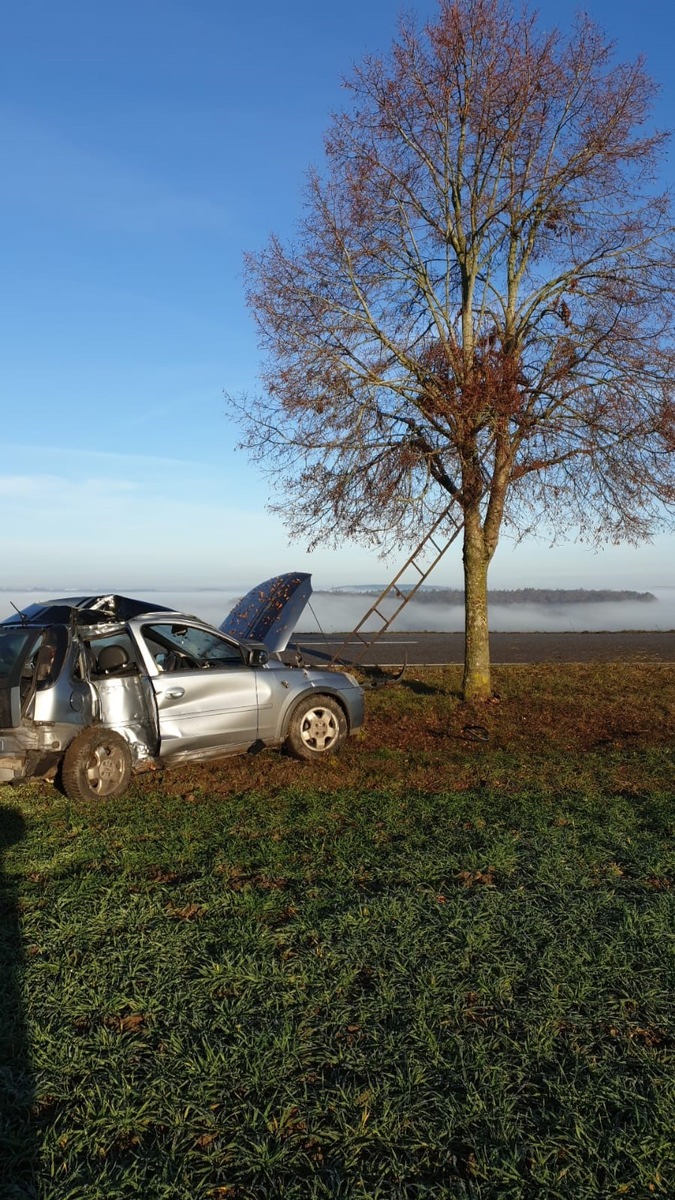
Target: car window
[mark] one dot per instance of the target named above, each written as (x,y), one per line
(113,654)
(50,657)
(177,647)
(43,666)
(13,643)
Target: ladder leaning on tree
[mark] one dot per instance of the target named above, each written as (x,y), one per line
(432,540)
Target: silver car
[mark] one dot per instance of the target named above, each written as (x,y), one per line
(98,688)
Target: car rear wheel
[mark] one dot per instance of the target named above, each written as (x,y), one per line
(96,766)
(317,726)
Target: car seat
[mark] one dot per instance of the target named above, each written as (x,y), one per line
(112,659)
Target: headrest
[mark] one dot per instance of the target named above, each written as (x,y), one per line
(112,658)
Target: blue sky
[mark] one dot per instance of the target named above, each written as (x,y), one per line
(146,145)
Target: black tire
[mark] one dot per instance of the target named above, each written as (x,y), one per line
(318,726)
(96,766)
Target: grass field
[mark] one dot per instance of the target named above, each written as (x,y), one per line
(439,965)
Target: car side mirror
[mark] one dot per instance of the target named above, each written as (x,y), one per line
(257,656)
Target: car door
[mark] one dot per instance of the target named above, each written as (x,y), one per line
(206,695)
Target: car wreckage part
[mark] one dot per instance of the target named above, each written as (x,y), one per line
(317,726)
(96,765)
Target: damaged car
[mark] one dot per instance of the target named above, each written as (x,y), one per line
(97,688)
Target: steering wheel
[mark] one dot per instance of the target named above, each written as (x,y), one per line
(179,660)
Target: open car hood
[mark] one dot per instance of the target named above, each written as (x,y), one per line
(270,612)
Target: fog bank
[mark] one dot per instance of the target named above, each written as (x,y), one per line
(340,612)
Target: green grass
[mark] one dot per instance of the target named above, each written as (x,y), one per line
(308,990)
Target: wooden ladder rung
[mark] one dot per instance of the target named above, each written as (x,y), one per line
(393,587)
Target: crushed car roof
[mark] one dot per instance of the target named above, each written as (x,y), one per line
(84,610)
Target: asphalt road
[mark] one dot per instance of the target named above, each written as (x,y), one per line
(429,649)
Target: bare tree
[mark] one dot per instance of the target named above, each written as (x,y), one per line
(478,307)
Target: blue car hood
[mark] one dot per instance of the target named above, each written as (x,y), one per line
(270,611)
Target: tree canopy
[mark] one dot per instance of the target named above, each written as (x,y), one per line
(478,304)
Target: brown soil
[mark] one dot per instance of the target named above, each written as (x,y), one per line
(547,726)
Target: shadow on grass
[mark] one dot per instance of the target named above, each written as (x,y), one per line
(419,688)
(17,1143)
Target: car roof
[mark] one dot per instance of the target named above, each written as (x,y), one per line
(83,610)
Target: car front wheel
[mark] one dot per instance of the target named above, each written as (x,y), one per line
(96,766)
(317,726)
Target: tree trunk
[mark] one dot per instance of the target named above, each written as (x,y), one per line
(476,681)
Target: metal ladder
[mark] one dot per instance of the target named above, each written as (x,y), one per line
(393,590)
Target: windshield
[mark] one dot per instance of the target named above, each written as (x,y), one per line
(176,646)
(13,645)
